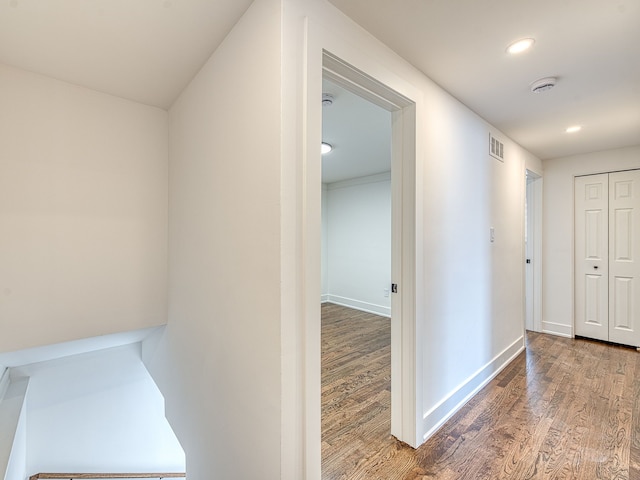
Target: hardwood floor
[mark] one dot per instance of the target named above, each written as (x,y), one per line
(564,409)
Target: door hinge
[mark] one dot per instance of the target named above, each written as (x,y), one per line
(528,260)
(394,288)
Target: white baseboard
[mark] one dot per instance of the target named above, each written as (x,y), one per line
(324,298)
(559,329)
(446,408)
(358,305)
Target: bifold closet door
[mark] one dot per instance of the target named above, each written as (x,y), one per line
(607,257)
(624,257)
(591,256)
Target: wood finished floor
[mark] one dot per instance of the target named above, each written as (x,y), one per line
(564,409)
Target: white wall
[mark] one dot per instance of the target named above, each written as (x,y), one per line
(97,411)
(17,468)
(358,249)
(83,212)
(13,452)
(470,302)
(222,346)
(558,215)
(324,280)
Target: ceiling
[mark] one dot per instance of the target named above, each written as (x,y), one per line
(591,46)
(148,51)
(143,50)
(358,131)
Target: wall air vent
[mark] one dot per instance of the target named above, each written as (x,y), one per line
(496,148)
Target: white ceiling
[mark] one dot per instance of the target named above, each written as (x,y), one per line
(360,133)
(148,50)
(143,50)
(592,46)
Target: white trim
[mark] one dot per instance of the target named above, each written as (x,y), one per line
(557,329)
(377,178)
(324,298)
(359,305)
(404,411)
(448,406)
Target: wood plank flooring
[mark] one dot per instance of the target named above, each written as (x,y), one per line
(564,409)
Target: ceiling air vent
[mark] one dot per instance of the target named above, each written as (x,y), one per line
(496,148)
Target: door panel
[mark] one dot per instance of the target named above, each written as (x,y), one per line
(624,264)
(591,252)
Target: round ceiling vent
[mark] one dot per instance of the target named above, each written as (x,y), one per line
(543,84)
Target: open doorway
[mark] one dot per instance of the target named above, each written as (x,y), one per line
(356,278)
(403,422)
(533,251)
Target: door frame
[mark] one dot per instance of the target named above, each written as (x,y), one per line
(533,292)
(403,155)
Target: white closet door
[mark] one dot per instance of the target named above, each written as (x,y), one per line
(624,257)
(591,256)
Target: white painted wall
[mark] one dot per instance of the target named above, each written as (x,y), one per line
(470,299)
(324,281)
(17,468)
(222,343)
(98,411)
(13,452)
(358,249)
(83,212)
(558,216)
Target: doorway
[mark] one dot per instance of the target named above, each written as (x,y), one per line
(356,279)
(533,251)
(607,251)
(403,265)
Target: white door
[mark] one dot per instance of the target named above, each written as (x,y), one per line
(624,261)
(607,247)
(591,256)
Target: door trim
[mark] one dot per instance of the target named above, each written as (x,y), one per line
(403,201)
(534,191)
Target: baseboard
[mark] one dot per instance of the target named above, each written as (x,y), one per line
(557,329)
(446,408)
(324,298)
(359,305)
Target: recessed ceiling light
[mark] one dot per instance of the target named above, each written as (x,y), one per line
(574,129)
(325,148)
(520,45)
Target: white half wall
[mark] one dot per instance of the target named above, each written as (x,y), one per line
(558,234)
(358,249)
(97,412)
(83,212)
(221,347)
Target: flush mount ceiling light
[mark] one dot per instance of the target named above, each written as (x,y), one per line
(520,46)
(573,129)
(543,84)
(325,148)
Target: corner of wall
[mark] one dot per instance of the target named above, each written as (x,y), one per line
(12,429)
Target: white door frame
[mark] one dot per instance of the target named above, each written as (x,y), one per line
(533,274)
(403,155)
